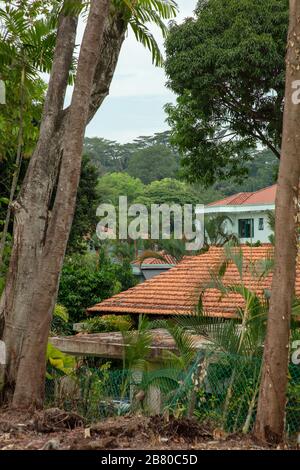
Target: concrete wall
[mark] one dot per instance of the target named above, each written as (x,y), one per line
(259,235)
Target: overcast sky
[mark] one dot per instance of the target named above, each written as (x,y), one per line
(138,92)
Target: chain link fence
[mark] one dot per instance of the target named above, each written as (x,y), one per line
(221,389)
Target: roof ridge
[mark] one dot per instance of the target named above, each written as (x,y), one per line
(263,189)
(241,197)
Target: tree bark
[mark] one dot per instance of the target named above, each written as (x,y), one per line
(270,420)
(25,308)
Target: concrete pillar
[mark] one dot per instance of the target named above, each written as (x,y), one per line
(153,400)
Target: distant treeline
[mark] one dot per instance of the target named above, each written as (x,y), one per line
(153,158)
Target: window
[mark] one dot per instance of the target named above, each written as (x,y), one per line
(261,223)
(246,228)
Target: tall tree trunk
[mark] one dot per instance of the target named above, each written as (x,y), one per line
(270,418)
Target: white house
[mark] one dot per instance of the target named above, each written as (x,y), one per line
(248,213)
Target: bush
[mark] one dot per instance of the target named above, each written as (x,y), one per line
(85,283)
(60,325)
(108,323)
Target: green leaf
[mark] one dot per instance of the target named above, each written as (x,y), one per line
(60,361)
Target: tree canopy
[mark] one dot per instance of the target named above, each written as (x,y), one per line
(113,185)
(152,154)
(227,67)
(169,191)
(84,222)
(153,163)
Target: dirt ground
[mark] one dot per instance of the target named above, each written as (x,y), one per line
(54,429)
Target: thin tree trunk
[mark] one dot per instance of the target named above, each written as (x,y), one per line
(251,408)
(17,169)
(270,418)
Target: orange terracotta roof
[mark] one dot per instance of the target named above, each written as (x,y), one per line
(167,259)
(263,196)
(177,290)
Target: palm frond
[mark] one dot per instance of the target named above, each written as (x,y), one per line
(185,343)
(236,256)
(13,23)
(136,345)
(145,37)
(139,13)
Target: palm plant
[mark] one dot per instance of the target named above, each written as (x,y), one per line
(140,12)
(235,345)
(239,340)
(137,362)
(136,351)
(123,251)
(215,232)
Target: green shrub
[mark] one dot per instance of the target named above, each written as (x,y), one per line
(108,323)
(84,283)
(60,325)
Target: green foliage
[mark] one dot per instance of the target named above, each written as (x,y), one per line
(137,344)
(153,163)
(84,283)
(58,362)
(60,322)
(293,404)
(93,385)
(26,48)
(123,251)
(262,169)
(215,233)
(108,323)
(110,156)
(136,351)
(61,312)
(169,191)
(165,191)
(141,12)
(6,257)
(113,185)
(84,222)
(230,96)
(240,337)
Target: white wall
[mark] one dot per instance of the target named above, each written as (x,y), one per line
(259,235)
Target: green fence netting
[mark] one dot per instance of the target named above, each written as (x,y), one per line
(218,388)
